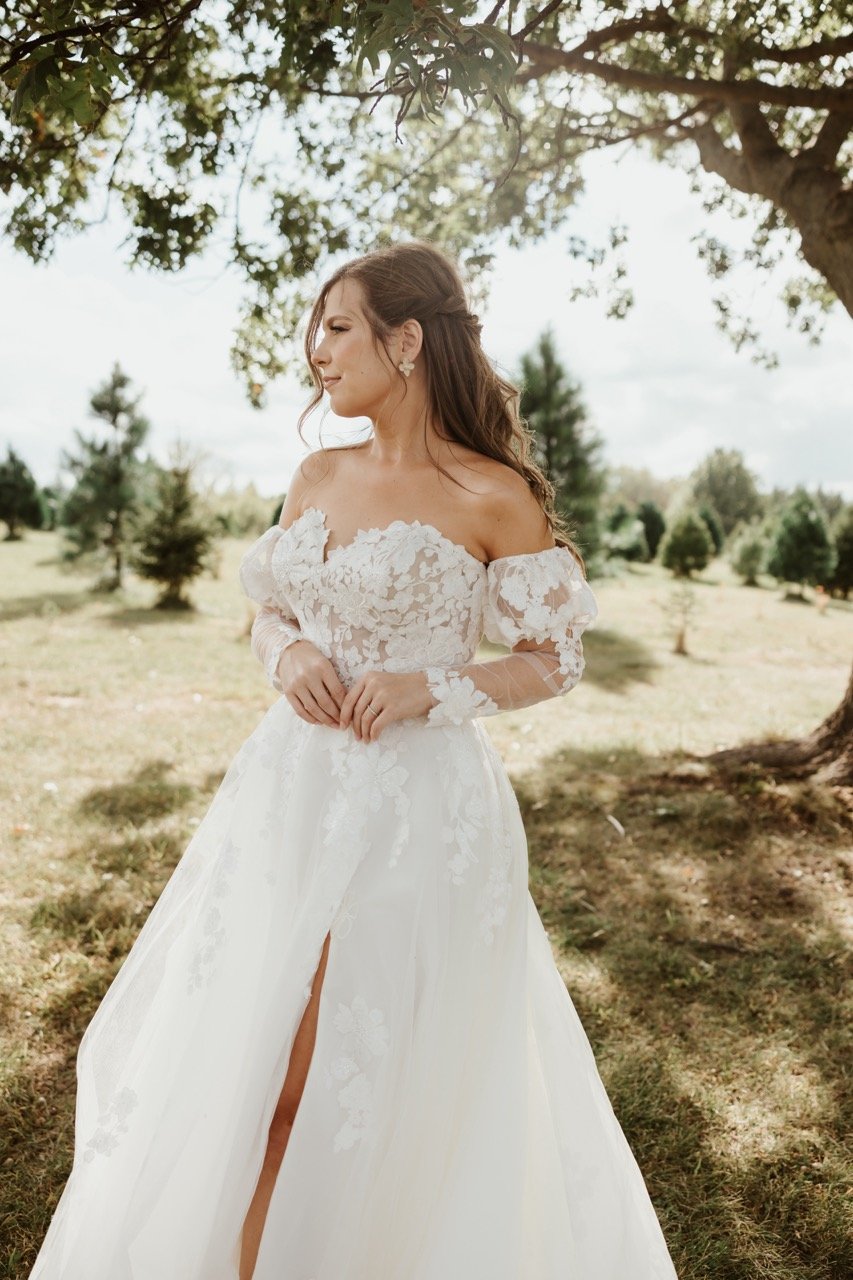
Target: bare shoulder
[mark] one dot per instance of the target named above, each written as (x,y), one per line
(513,521)
(317,465)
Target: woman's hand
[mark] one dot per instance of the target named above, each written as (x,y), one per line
(310,683)
(393,695)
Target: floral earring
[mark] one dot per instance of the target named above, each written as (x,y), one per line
(406,366)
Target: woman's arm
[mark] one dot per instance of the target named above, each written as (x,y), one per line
(538,604)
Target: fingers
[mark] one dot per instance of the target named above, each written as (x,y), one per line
(325,698)
(333,683)
(314,700)
(350,698)
(362,718)
(317,709)
(377,724)
(315,692)
(306,705)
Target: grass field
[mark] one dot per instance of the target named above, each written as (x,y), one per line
(701,925)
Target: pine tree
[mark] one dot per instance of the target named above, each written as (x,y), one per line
(98,512)
(174,542)
(20,502)
(747,553)
(617,517)
(713,524)
(567,449)
(686,545)
(654,525)
(626,539)
(801,548)
(840,581)
(723,481)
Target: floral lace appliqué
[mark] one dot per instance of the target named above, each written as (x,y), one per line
(112,1124)
(364,1038)
(213,927)
(458,698)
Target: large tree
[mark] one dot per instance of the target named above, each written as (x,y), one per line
(826,753)
(724,482)
(167,108)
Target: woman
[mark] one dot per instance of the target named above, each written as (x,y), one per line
(346,967)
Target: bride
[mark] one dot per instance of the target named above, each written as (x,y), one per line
(340,1047)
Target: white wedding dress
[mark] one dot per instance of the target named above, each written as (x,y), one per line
(453,1125)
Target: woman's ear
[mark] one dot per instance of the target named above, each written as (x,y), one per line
(411,337)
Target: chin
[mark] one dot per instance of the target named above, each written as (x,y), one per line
(344,408)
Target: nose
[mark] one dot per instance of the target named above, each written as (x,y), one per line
(318,356)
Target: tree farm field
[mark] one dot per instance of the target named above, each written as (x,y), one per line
(701,921)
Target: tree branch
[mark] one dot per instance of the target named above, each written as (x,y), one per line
(661,21)
(536,21)
(831,136)
(813,52)
(618,32)
(84,29)
(548,59)
(492,17)
(758,144)
(716,157)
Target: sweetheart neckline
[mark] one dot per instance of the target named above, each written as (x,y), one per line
(399,522)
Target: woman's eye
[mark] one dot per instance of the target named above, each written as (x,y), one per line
(336,328)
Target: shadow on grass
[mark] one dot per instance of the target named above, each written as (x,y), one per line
(44,605)
(704,954)
(620,660)
(148,794)
(104,921)
(37,1122)
(152,614)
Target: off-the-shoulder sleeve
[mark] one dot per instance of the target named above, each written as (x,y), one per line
(540,600)
(273,629)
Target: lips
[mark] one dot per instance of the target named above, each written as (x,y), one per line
(330,382)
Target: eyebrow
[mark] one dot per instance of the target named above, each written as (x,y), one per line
(328,319)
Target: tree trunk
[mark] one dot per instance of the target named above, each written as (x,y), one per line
(808,187)
(826,754)
(823,212)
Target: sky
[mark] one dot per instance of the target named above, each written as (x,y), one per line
(663,387)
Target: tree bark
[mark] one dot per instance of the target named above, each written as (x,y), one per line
(826,754)
(807,187)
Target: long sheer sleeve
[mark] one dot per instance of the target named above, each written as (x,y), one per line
(273,629)
(540,598)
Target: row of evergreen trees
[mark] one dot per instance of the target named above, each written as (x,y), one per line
(795,537)
(794,542)
(124,509)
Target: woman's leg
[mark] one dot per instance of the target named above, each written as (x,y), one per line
(282,1123)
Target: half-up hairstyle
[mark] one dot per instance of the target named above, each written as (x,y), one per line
(474,404)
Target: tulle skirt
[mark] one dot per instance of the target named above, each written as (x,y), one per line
(453,1124)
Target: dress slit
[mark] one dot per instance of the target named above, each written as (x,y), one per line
(274,1098)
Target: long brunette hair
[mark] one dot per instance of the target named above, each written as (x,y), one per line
(475,405)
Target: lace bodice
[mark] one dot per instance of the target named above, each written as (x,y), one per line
(406,598)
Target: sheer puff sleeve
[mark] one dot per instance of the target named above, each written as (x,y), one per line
(541,599)
(273,629)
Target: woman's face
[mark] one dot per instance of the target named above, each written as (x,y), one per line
(357,375)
